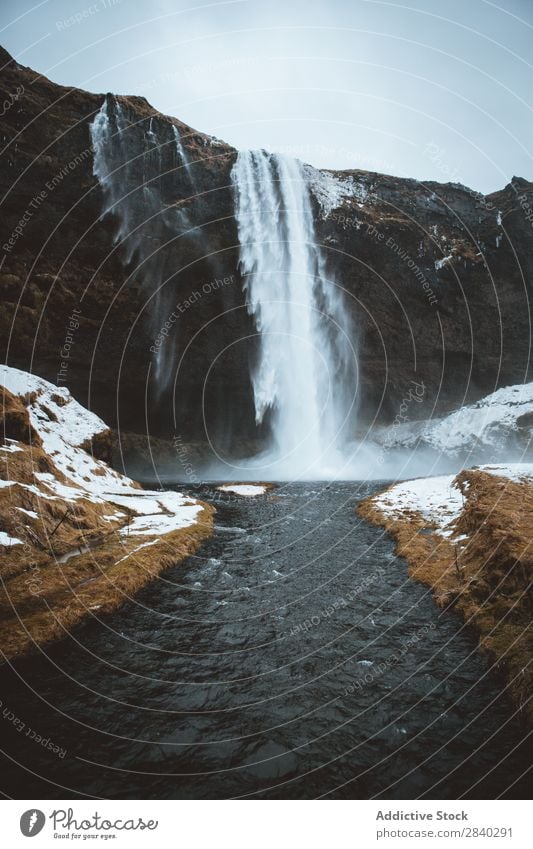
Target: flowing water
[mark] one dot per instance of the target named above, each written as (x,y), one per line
(131,194)
(138,168)
(304,374)
(183,156)
(292,657)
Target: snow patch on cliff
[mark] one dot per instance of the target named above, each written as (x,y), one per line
(481,422)
(440,263)
(331,191)
(517,472)
(64,426)
(487,424)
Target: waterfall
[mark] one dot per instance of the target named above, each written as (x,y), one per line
(182,153)
(122,172)
(135,163)
(303,377)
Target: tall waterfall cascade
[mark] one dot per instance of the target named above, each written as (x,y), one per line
(304,377)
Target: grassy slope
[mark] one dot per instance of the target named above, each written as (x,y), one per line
(42,598)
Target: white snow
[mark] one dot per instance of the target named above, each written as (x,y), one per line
(244,489)
(482,420)
(440,263)
(63,428)
(162,516)
(485,424)
(330,191)
(517,472)
(438,499)
(11,446)
(59,489)
(135,550)
(31,513)
(74,422)
(5,539)
(29,488)
(63,425)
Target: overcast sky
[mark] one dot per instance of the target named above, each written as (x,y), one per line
(426,89)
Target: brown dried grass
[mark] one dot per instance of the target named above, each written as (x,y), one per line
(42,599)
(47,600)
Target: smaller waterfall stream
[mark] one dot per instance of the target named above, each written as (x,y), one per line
(182,154)
(125,176)
(301,377)
(137,166)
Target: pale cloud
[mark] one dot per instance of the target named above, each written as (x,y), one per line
(343,84)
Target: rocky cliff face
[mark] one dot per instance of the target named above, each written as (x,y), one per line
(437,278)
(78,300)
(440,279)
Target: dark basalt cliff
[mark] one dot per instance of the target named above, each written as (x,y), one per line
(441,279)
(78,304)
(76,309)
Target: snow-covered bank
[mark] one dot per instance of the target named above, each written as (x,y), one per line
(74,533)
(64,426)
(440,499)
